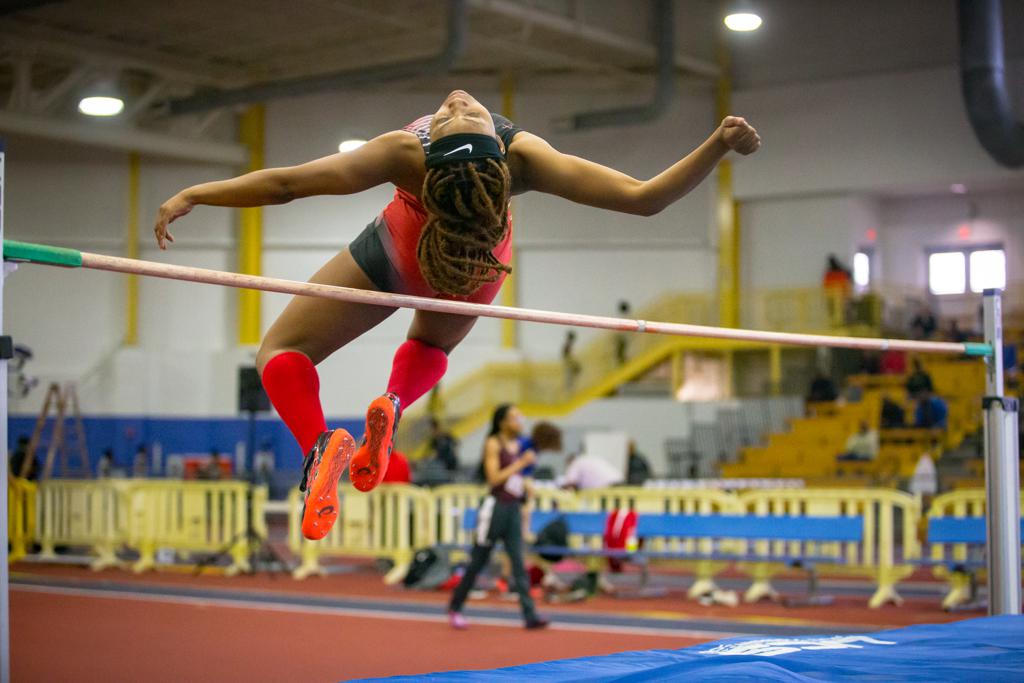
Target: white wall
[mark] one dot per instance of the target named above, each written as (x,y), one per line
(875,134)
(878,152)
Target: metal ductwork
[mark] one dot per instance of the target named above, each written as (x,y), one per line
(664,89)
(983,81)
(262,92)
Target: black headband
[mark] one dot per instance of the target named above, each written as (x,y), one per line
(463,147)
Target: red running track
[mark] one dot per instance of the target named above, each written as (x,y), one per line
(58,637)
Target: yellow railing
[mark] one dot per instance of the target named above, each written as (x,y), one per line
(393,521)
(552,388)
(147,515)
(390,522)
(21,516)
(875,556)
(83,513)
(419,518)
(206,517)
(963,503)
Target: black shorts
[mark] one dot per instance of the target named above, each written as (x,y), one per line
(368,252)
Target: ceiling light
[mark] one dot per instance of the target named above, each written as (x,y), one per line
(351,144)
(101,105)
(743,21)
(958,188)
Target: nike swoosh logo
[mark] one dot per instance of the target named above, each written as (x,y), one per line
(468,146)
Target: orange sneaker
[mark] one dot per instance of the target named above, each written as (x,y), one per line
(320,473)
(370,462)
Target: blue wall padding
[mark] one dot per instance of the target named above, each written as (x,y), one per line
(124,434)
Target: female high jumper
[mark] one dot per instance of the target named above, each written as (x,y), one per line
(447,233)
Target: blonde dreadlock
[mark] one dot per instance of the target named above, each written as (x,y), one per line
(467,206)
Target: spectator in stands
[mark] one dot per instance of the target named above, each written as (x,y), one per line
(871,363)
(638,470)
(18,458)
(862,446)
(570,366)
(838,284)
(894,362)
(546,441)
(398,471)
(919,380)
(140,464)
(923,325)
(621,338)
(586,472)
(931,411)
(893,415)
(822,390)
(211,470)
(105,467)
(499,516)
(443,445)
(955,334)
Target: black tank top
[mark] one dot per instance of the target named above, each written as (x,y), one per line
(511,491)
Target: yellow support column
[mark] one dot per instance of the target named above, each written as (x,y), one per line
(775,369)
(250,233)
(678,372)
(131,313)
(727,219)
(508,292)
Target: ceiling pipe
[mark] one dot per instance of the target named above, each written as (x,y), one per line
(983,82)
(262,92)
(572,27)
(664,88)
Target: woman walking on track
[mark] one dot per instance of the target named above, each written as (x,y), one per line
(446,234)
(500,515)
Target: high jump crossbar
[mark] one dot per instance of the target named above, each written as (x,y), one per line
(72,258)
(1001,447)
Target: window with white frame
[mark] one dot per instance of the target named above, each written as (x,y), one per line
(957,271)
(862,270)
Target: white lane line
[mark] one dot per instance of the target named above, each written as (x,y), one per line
(359,612)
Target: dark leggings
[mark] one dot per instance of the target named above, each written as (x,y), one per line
(500,522)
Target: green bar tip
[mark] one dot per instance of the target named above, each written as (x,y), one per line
(40,253)
(978,349)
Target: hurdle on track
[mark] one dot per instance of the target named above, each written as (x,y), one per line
(1000,413)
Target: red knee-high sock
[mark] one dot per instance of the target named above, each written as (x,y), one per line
(294,388)
(416,369)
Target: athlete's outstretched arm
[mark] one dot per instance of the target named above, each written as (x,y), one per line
(545,169)
(379,161)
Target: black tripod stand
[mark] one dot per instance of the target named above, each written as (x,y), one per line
(252,399)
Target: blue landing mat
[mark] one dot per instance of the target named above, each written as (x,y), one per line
(988,649)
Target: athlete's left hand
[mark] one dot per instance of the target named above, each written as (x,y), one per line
(738,135)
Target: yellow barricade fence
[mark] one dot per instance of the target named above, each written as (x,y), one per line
(669,501)
(83,513)
(960,504)
(447,507)
(390,522)
(890,522)
(190,516)
(21,516)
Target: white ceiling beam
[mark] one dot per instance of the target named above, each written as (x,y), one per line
(109,135)
(137,106)
(47,100)
(576,29)
(21,90)
(105,53)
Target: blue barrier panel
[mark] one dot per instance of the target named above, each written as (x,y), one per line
(958,529)
(751,527)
